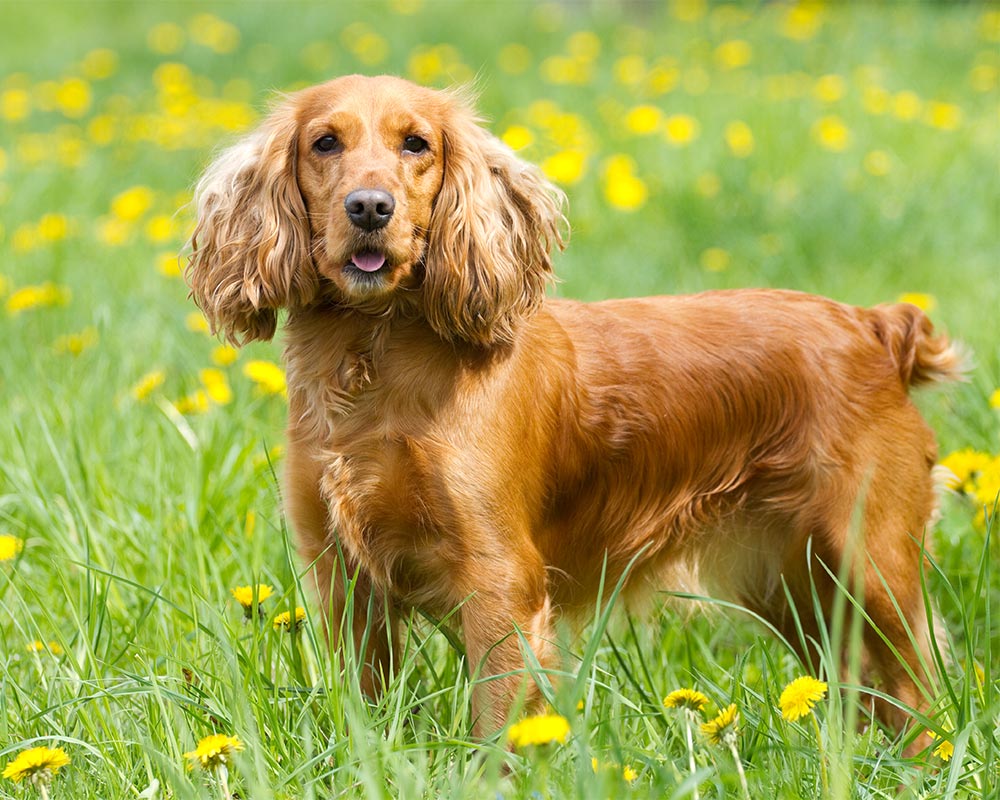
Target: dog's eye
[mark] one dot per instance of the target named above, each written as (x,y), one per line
(414,144)
(327,144)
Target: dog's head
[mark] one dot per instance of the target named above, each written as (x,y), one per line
(376,194)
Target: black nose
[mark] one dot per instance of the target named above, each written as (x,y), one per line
(369,209)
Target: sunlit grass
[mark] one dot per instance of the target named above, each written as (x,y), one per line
(837,149)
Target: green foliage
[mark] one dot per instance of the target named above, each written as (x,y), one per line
(848,150)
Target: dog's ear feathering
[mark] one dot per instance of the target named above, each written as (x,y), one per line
(493,225)
(251,246)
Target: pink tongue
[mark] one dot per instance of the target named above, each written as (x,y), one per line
(368,262)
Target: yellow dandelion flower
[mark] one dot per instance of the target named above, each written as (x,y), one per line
(131,204)
(113,231)
(965,465)
(517,137)
(73,97)
(36,764)
(944,116)
(681,129)
(798,697)
(722,727)
(75,343)
(269,377)
(945,750)
(688,699)
(161,228)
(216,385)
(622,188)
(38,646)
(922,300)
(565,167)
(224,355)
(245,594)
(733,54)
(283,621)
(643,119)
(802,20)
(739,139)
(987,485)
(214,751)
(829,88)
(539,729)
(195,403)
(10,546)
(629,774)
(148,384)
(53,227)
(99,64)
(165,38)
(169,264)
(196,322)
(41,296)
(15,104)
(832,134)
(906,106)
(715,259)
(995,399)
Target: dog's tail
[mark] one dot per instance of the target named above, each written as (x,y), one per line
(920,355)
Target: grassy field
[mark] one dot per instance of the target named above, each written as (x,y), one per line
(845,150)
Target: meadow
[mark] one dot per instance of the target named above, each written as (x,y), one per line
(848,150)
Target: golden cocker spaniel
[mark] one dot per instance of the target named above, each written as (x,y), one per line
(460,439)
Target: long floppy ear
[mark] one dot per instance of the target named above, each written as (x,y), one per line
(494,222)
(251,247)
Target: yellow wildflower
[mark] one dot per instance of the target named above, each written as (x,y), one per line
(224,355)
(688,10)
(53,227)
(907,105)
(15,104)
(987,485)
(945,116)
(269,377)
(161,228)
(965,466)
(995,399)
(644,119)
(196,322)
(733,54)
(73,97)
(245,595)
(622,188)
(832,134)
(195,403)
(10,546)
(214,751)
(99,64)
(922,300)
(715,259)
(802,20)
(148,384)
(722,727)
(945,750)
(40,296)
(36,764)
(630,70)
(169,264)
(829,88)
(517,137)
(798,697)
(681,129)
(216,385)
(629,774)
(539,729)
(214,33)
(739,138)
(131,204)
(283,621)
(75,343)
(689,699)
(37,646)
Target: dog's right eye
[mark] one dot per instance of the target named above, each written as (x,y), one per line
(327,144)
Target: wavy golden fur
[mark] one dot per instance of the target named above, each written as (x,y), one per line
(460,439)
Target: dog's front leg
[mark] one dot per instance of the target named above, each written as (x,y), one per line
(497,624)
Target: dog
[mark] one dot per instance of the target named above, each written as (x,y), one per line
(457,439)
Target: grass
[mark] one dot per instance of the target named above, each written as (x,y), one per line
(137,520)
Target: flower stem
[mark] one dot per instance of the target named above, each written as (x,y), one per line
(43,790)
(739,769)
(690,743)
(224,782)
(822,757)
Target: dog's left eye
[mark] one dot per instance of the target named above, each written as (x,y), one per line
(414,144)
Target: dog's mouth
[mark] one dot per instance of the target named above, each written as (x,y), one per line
(367,262)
